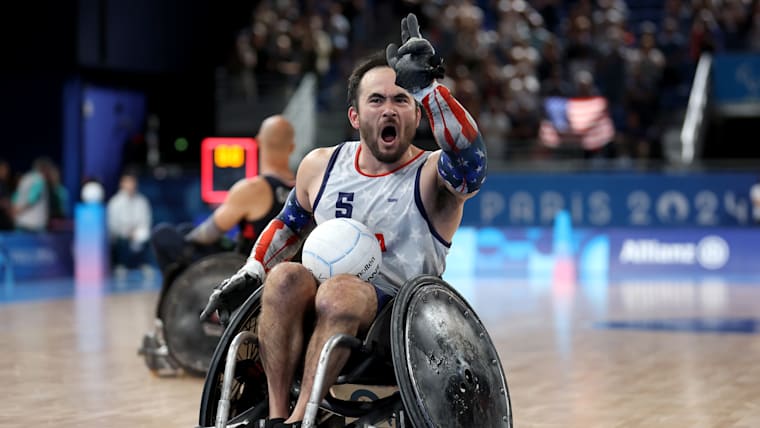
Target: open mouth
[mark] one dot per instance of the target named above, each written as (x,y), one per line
(388,133)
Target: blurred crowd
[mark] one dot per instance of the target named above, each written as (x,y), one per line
(34,201)
(504,57)
(286,40)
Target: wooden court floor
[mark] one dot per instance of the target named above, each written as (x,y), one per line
(636,353)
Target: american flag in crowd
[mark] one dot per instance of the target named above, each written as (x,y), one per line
(581,121)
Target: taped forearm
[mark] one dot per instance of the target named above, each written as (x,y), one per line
(282,237)
(463,163)
(205,233)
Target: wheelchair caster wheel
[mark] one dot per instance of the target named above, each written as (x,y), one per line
(157,357)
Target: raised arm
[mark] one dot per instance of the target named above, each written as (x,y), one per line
(462,163)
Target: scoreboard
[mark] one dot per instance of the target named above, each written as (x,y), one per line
(224,161)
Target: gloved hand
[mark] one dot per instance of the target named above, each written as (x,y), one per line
(233,292)
(416,63)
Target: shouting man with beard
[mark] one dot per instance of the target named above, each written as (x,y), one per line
(412,199)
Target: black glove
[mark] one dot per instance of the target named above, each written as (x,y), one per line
(416,63)
(230,294)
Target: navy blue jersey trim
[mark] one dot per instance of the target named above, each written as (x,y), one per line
(330,166)
(421,208)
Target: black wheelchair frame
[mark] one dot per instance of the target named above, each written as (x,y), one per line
(428,343)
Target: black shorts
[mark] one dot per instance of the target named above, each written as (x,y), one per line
(382,298)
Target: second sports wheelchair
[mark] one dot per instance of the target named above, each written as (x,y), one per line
(180,341)
(427,346)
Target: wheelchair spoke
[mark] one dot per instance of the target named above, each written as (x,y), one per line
(248,393)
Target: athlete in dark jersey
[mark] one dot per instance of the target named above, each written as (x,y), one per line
(251,204)
(249,230)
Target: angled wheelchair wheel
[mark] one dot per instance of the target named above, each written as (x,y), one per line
(447,368)
(190,342)
(248,398)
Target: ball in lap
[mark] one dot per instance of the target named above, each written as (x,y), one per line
(342,246)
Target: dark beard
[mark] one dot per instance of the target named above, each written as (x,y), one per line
(366,134)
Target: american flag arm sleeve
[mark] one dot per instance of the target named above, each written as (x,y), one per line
(282,237)
(463,161)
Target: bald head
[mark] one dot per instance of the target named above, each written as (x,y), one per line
(276,135)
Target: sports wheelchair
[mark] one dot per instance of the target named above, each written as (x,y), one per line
(427,346)
(180,341)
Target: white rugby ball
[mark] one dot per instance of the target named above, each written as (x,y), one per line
(342,246)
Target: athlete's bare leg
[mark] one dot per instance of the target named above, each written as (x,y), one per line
(289,292)
(344,304)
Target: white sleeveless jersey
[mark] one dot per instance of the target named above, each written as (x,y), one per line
(390,205)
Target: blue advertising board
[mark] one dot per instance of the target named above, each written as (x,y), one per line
(614,199)
(36,255)
(560,253)
(683,252)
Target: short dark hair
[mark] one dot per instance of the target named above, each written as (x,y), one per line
(374,60)
(130,172)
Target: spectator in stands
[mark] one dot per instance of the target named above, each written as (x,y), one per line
(286,60)
(31,201)
(648,55)
(609,72)
(247,59)
(580,51)
(733,18)
(680,12)
(58,217)
(129,219)
(555,85)
(550,13)
(584,85)
(6,187)
(705,35)
(495,126)
(506,46)
(643,81)
(550,61)
(640,113)
(753,35)
(672,44)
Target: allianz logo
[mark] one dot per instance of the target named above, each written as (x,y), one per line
(711,252)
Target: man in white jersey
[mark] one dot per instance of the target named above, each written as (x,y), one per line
(413,198)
